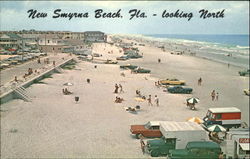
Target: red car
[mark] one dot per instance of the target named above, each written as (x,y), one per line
(151,129)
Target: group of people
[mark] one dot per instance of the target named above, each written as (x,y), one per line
(158,84)
(150,100)
(215,95)
(118,99)
(117,87)
(66,91)
(30,71)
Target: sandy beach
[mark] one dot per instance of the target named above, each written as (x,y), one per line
(53,125)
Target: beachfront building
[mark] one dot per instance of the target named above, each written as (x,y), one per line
(95,36)
(73,45)
(10,40)
(50,43)
(29,40)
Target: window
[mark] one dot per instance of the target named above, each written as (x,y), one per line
(218,116)
(155,127)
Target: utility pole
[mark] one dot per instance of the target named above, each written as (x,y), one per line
(22,45)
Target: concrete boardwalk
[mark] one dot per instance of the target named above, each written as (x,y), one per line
(7,83)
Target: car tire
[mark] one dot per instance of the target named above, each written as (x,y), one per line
(139,136)
(154,153)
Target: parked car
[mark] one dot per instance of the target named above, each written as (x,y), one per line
(14,62)
(128,66)
(172,82)
(179,89)
(244,72)
(110,62)
(134,56)
(247,92)
(122,58)
(197,150)
(96,55)
(141,70)
(150,129)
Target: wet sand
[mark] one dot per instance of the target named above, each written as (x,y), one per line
(54,126)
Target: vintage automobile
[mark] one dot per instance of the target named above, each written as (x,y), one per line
(247,92)
(110,62)
(141,70)
(122,58)
(179,89)
(128,66)
(150,129)
(96,55)
(197,150)
(227,117)
(172,82)
(244,73)
(134,56)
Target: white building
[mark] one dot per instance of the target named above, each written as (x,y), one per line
(95,36)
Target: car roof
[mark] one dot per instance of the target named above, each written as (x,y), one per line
(154,123)
(203,144)
(224,110)
(180,126)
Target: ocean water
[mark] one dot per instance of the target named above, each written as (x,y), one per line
(232,40)
(229,49)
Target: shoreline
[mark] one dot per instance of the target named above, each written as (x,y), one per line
(152,41)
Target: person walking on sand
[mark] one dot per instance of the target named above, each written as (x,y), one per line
(213,95)
(142,145)
(76,99)
(150,101)
(121,90)
(116,88)
(159,60)
(199,81)
(156,101)
(217,96)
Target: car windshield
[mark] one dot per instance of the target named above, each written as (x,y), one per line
(210,115)
(147,126)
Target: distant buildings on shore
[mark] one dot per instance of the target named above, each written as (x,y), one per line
(49,41)
(95,36)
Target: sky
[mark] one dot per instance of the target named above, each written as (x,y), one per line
(14,16)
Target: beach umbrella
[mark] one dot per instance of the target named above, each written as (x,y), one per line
(68,84)
(216,128)
(139,99)
(193,100)
(195,119)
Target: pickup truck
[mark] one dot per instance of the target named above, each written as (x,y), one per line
(150,129)
(197,150)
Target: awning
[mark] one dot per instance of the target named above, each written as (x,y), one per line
(244,146)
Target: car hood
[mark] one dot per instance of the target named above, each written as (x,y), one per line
(137,127)
(156,142)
